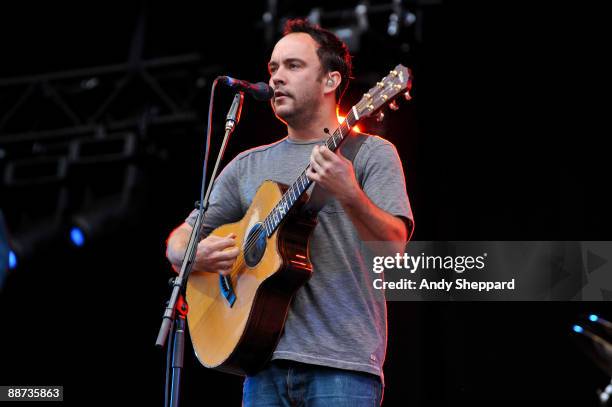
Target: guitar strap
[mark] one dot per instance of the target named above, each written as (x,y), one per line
(319,196)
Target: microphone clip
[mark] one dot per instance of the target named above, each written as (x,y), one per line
(233,115)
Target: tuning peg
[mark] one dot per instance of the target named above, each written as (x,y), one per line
(393,106)
(407,95)
(380,117)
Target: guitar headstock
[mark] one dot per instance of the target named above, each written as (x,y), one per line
(398,80)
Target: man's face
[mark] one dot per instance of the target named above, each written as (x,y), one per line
(296,77)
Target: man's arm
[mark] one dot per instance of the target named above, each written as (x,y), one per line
(336,174)
(371,222)
(176,245)
(214,254)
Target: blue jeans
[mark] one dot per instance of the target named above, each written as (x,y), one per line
(287,384)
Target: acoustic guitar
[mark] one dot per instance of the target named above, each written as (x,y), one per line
(235,321)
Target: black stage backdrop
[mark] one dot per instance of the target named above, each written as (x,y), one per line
(501,142)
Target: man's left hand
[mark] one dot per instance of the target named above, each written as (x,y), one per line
(334,173)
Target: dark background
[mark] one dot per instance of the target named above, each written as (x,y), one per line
(500,142)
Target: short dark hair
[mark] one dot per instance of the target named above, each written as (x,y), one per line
(333,53)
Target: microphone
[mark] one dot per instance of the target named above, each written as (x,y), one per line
(259,90)
(233,116)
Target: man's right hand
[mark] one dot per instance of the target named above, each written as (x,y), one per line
(216,254)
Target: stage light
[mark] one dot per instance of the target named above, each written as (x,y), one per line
(37,238)
(578,329)
(593,318)
(96,220)
(7,257)
(361,11)
(24,242)
(105,216)
(393,27)
(12,260)
(77,237)
(35,171)
(111,148)
(107,203)
(351,36)
(314,16)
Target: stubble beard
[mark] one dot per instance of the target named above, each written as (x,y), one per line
(301,114)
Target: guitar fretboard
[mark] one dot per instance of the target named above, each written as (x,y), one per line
(291,196)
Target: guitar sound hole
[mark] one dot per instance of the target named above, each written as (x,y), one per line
(255,245)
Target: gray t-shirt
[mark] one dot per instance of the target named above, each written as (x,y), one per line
(337,318)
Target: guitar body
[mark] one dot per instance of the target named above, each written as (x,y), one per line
(236,323)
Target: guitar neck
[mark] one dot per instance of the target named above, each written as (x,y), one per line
(291,196)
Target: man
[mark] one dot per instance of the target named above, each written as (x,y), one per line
(334,341)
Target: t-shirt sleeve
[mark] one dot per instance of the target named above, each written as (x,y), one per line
(384,183)
(224,205)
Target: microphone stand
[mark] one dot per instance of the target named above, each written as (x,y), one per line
(177,308)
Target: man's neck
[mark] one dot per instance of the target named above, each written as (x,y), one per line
(314,129)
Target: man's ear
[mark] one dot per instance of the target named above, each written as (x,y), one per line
(331,81)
